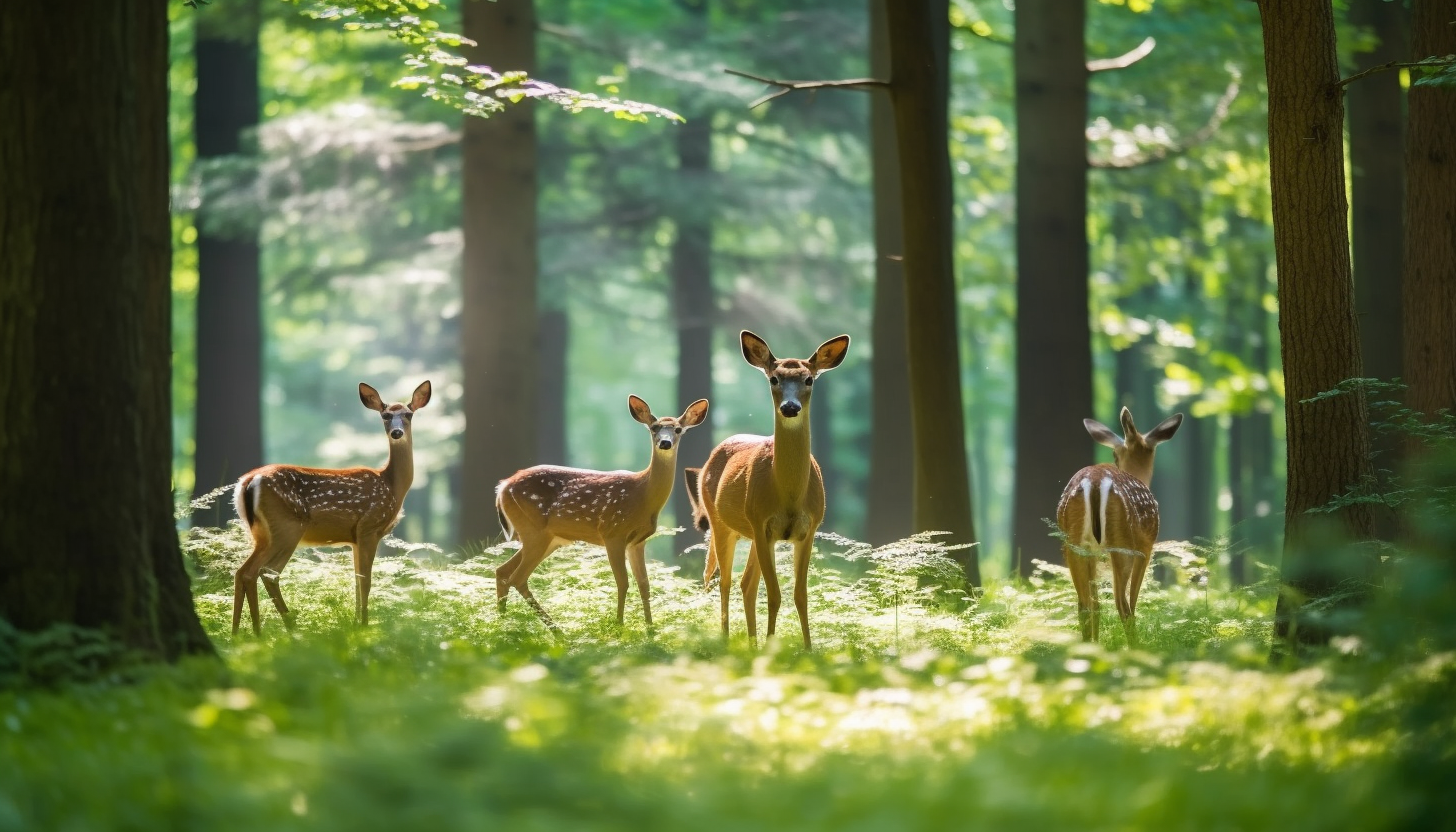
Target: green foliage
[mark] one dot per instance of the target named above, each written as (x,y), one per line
(442,75)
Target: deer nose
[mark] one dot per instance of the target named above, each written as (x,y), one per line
(665,444)
(790,409)
(396,434)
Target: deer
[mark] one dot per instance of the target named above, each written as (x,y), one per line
(284,506)
(1109,508)
(547,506)
(766,488)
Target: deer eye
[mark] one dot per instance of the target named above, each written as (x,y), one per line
(773,380)
(809,382)
(677,430)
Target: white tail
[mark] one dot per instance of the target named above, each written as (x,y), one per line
(1109,508)
(547,506)
(767,488)
(287,505)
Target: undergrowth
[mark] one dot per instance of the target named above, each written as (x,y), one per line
(924,705)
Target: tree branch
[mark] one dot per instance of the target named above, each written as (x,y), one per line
(1137,53)
(1425,63)
(786,87)
(1165,152)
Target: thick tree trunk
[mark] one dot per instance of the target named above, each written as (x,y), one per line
(691,271)
(889,493)
(1328,441)
(1377,188)
(86,535)
(498,272)
(229,416)
(919,33)
(1053,337)
(1430,239)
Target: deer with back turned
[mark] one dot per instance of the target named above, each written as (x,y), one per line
(1109,508)
(284,506)
(766,488)
(548,506)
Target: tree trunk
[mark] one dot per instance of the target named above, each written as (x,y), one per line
(498,272)
(1430,208)
(87,536)
(1377,188)
(889,509)
(1328,441)
(691,270)
(919,32)
(229,420)
(1053,337)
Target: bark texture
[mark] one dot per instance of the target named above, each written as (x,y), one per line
(1328,440)
(919,33)
(1430,241)
(889,494)
(86,536)
(498,272)
(229,414)
(1053,336)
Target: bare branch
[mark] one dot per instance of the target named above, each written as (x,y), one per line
(786,87)
(1137,53)
(1165,152)
(1426,63)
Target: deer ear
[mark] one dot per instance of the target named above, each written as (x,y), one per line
(421,396)
(756,351)
(695,414)
(830,354)
(370,397)
(1165,429)
(1101,434)
(640,411)
(1128,428)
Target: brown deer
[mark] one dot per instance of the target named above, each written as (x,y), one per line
(766,488)
(548,506)
(1109,508)
(287,505)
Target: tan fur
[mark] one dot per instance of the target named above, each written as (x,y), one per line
(548,506)
(1131,520)
(768,488)
(285,506)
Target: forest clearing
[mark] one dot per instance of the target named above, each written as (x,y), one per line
(1049,412)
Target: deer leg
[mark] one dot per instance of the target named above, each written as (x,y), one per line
(503,576)
(749,585)
(531,555)
(1137,570)
(364,552)
(617,557)
(710,565)
(1084,578)
(802,550)
(245,580)
(721,547)
(637,556)
(270,575)
(763,551)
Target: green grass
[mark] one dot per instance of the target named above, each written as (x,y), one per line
(916,710)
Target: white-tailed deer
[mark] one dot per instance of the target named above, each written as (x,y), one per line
(1109,508)
(284,506)
(547,506)
(766,488)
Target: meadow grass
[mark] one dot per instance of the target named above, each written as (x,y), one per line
(922,706)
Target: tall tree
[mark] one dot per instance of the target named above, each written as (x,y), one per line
(691,268)
(1377,188)
(229,423)
(1053,337)
(85,315)
(1430,238)
(889,496)
(498,271)
(919,32)
(1328,441)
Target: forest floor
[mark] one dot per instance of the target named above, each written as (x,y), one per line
(916,710)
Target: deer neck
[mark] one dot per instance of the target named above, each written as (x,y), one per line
(657,479)
(399,470)
(791,460)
